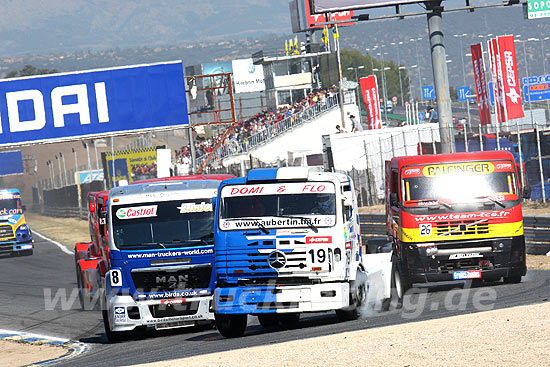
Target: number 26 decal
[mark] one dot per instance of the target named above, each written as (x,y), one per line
(425,229)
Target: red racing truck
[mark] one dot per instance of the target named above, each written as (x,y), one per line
(454,217)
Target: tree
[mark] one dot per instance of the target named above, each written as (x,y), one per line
(29,70)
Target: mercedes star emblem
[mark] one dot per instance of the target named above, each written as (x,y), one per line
(276,260)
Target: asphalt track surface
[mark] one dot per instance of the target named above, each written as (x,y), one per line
(26,283)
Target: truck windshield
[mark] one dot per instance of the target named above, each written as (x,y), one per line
(10,206)
(290,207)
(460,186)
(163,224)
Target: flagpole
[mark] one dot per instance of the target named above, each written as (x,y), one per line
(340,78)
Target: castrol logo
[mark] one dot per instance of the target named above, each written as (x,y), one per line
(137,212)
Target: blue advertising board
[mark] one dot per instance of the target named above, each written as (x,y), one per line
(11,163)
(428,92)
(491,93)
(58,107)
(536,88)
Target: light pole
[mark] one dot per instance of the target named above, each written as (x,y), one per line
(88,154)
(415,40)
(96,159)
(357,88)
(60,173)
(64,168)
(383,69)
(544,63)
(410,90)
(383,92)
(398,71)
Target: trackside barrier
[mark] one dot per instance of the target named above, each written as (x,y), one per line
(373,229)
(536,229)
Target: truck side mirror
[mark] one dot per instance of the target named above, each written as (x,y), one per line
(103,214)
(525,192)
(24,207)
(393,199)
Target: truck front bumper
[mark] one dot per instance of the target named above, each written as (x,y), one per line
(15,247)
(126,314)
(281,299)
(493,258)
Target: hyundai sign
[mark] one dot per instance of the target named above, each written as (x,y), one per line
(58,107)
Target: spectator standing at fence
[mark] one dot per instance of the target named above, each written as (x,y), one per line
(355,124)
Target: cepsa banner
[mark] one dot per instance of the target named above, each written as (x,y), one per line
(483,101)
(369,90)
(508,102)
(130,165)
(59,107)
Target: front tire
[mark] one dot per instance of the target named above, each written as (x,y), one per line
(357,298)
(268,320)
(113,336)
(399,286)
(231,326)
(513,280)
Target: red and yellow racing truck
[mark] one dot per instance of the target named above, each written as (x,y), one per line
(454,217)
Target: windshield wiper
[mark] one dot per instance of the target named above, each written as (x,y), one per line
(439,203)
(305,219)
(256,222)
(493,200)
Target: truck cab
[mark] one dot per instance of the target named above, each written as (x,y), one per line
(15,235)
(287,242)
(160,271)
(454,217)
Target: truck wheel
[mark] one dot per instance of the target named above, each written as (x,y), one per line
(268,320)
(80,288)
(512,280)
(289,320)
(357,298)
(399,286)
(231,326)
(113,336)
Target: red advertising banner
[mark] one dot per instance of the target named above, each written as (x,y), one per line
(496,73)
(369,91)
(314,19)
(509,78)
(483,101)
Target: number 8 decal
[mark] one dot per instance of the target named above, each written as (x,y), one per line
(116,278)
(425,229)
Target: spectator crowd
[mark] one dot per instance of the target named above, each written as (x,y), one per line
(263,123)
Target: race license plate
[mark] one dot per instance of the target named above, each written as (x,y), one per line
(469,274)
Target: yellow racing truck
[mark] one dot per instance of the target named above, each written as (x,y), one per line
(15,235)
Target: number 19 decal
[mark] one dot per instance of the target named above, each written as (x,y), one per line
(116,278)
(425,229)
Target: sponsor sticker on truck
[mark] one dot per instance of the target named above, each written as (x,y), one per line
(137,212)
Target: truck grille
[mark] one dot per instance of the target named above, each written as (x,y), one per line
(172,280)
(295,260)
(180,309)
(6,231)
(461,228)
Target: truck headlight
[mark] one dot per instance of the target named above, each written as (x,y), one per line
(432,250)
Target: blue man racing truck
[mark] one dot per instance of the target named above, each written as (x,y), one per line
(15,235)
(287,242)
(160,255)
